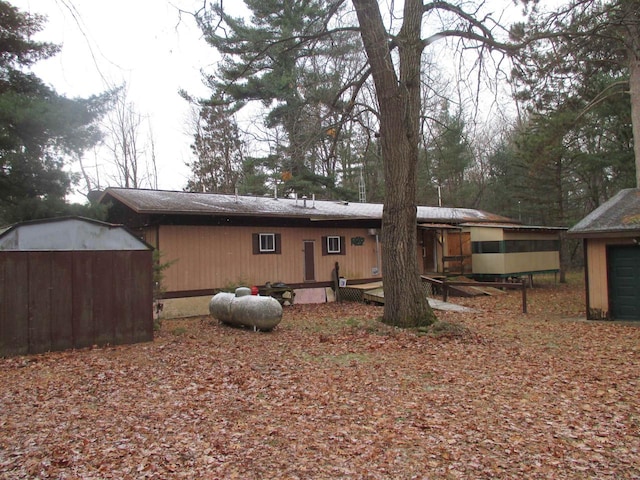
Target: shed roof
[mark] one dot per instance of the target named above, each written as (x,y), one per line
(618,216)
(69,233)
(186,203)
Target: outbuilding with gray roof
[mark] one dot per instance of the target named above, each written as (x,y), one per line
(611,238)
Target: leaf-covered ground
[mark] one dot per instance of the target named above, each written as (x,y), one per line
(332,393)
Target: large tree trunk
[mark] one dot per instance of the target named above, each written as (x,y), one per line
(634,91)
(399,103)
(630,33)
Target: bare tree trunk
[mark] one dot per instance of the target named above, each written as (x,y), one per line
(85,175)
(153,175)
(634,91)
(630,32)
(398,97)
(123,141)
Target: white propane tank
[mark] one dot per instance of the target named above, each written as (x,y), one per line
(246,310)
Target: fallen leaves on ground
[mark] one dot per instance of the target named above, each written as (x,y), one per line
(333,393)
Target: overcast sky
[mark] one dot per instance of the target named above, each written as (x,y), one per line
(145,43)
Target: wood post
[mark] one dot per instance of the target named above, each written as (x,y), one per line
(336,281)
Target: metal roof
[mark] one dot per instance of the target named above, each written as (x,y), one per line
(438,226)
(620,215)
(68,233)
(518,228)
(186,203)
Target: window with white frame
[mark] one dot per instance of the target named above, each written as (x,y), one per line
(267,242)
(333,244)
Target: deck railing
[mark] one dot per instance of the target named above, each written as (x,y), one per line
(445,285)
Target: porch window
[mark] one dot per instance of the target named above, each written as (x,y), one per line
(266,243)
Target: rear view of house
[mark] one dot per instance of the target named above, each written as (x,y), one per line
(216,241)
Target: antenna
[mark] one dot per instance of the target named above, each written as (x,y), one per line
(362,188)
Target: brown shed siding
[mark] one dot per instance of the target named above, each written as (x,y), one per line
(208,257)
(73,299)
(14,303)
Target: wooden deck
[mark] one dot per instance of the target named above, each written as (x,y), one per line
(374,292)
(375,295)
(357,292)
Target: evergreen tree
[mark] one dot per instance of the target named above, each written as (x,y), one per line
(38,127)
(280,58)
(561,162)
(504,174)
(218,149)
(575,42)
(448,156)
(257,176)
(575,155)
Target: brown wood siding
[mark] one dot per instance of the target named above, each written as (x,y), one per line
(458,245)
(150,235)
(209,257)
(64,299)
(597,273)
(14,304)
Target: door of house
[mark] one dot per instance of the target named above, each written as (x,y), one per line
(309,261)
(459,252)
(624,282)
(429,252)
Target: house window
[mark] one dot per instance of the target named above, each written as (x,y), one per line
(333,245)
(266,243)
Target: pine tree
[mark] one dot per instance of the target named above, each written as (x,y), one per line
(280,59)
(218,149)
(38,127)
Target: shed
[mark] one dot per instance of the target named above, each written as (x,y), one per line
(611,238)
(73,282)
